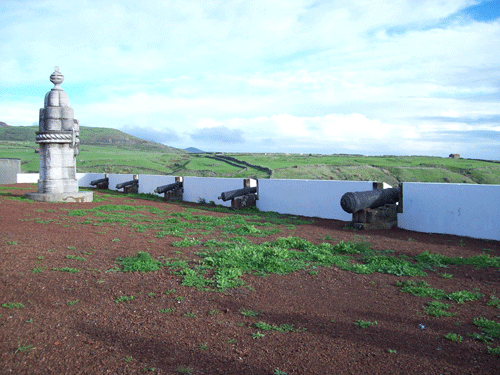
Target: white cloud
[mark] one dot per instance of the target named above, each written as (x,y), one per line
(297,72)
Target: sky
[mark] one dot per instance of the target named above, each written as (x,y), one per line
(371,77)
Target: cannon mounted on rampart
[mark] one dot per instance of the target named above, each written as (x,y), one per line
(171,191)
(373,209)
(240,198)
(131,186)
(102,183)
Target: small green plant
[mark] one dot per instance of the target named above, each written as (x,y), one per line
(71,303)
(453,337)
(246,312)
(73,257)
(365,324)
(186,242)
(169,291)
(13,305)
(257,335)
(447,275)
(128,358)
(66,269)
(21,348)
(203,346)
(115,240)
(184,370)
(438,309)
(11,243)
(494,301)
(461,243)
(40,257)
(37,270)
(392,351)
(124,299)
(179,298)
(494,351)
(422,289)
(213,312)
(71,248)
(142,262)
(491,329)
(281,328)
(190,315)
(167,311)
(151,294)
(278,372)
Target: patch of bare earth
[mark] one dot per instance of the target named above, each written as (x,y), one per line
(72,324)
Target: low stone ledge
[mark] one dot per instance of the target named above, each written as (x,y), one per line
(80,197)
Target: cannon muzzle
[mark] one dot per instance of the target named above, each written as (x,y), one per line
(167,188)
(353,202)
(237,193)
(128,183)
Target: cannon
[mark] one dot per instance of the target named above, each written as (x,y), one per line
(100,181)
(169,187)
(353,202)
(131,186)
(127,184)
(237,193)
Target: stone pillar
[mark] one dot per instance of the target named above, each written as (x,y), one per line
(58,137)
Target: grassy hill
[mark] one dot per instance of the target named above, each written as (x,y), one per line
(89,136)
(110,150)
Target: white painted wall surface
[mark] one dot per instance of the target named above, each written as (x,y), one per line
(28,178)
(314,198)
(209,189)
(461,209)
(148,183)
(84,179)
(118,179)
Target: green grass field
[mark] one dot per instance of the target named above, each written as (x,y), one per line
(146,158)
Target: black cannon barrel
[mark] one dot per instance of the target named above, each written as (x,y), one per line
(169,187)
(227,195)
(128,183)
(100,181)
(353,202)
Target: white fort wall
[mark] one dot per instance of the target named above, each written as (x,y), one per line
(461,209)
(148,183)
(84,179)
(314,198)
(209,189)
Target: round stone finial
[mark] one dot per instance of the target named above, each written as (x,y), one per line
(56,78)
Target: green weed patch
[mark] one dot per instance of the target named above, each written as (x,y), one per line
(66,269)
(422,289)
(438,309)
(281,328)
(13,305)
(142,262)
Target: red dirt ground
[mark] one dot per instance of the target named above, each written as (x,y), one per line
(71,323)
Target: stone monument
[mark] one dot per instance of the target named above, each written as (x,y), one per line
(58,137)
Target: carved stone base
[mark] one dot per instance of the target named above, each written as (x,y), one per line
(244,201)
(173,195)
(81,196)
(384,217)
